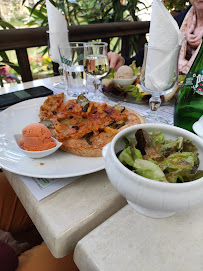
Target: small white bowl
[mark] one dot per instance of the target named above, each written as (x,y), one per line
(124,82)
(37,154)
(198,127)
(149,197)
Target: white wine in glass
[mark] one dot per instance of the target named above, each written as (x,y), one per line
(96,64)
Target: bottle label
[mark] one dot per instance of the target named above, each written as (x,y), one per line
(197,82)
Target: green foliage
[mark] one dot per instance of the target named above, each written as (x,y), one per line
(80,12)
(69,8)
(5,63)
(88,12)
(38,17)
(6,75)
(40,63)
(95,11)
(5,25)
(176,5)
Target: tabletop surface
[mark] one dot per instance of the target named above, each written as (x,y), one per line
(165,110)
(48,82)
(130,241)
(66,216)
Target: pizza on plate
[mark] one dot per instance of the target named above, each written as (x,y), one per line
(85,127)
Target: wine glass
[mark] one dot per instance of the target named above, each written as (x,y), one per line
(96,64)
(161,79)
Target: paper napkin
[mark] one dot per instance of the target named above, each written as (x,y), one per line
(58,31)
(164,35)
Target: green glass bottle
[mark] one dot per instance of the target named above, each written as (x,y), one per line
(189,103)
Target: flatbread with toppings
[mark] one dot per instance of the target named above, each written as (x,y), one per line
(85,127)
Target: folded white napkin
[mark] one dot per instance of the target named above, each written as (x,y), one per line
(58,31)
(164,35)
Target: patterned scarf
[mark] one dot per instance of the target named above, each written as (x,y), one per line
(191,43)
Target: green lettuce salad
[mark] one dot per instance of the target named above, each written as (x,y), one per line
(132,92)
(152,156)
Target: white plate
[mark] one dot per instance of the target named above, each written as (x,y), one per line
(57,165)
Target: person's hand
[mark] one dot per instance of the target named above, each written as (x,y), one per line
(7,238)
(115,61)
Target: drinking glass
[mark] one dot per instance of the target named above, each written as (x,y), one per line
(96,64)
(53,53)
(167,79)
(72,57)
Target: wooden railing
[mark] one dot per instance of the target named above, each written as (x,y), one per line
(21,39)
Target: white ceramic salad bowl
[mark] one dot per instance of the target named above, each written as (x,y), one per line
(149,197)
(198,127)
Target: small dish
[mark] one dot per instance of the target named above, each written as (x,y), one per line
(37,154)
(198,127)
(124,82)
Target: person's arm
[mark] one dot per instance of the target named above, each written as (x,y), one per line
(138,58)
(115,60)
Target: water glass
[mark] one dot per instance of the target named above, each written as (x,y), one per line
(72,57)
(54,39)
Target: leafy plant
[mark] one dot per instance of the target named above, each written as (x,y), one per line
(37,17)
(5,74)
(176,5)
(92,11)
(5,63)
(40,63)
(80,12)
(38,13)
(5,24)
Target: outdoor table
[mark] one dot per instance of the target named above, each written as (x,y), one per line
(131,241)
(64,217)
(67,215)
